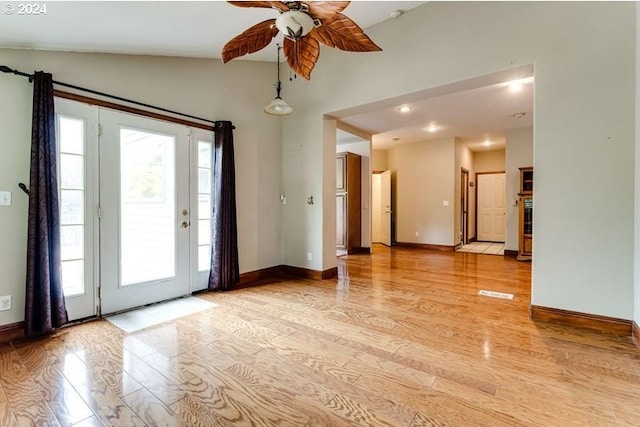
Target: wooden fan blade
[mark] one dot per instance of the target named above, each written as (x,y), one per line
(339,31)
(251,40)
(302,55)
(265,4)
(319,9)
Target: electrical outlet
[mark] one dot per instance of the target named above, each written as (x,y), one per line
(309,257)
(5,303)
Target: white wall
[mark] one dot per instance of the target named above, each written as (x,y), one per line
(584,58)
(363,149)
(14,168)
(424,178)
(519,154)
(379,160)
(196,86)
(636,316)
(489,161)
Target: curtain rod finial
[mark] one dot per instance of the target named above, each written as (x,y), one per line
(5,69)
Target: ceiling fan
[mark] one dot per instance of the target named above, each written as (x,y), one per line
(304,25)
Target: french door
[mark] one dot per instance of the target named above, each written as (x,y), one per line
(146,198)
(144,211)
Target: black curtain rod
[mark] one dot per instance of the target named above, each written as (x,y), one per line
(6,69)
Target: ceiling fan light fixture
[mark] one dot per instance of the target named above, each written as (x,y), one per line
(295,24)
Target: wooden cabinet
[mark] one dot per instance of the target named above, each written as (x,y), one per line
(525,203)
(348,199)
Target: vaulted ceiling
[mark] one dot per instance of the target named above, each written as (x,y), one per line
(200,29)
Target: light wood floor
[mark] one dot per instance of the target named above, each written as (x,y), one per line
(401,340)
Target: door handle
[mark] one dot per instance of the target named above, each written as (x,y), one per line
(184,224)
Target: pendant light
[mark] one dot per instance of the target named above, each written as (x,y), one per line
(278,107)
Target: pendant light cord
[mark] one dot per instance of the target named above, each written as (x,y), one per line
(278,84)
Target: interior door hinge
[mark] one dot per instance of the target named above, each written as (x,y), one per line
(99,129)
(99,212)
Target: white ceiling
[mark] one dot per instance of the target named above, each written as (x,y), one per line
(473,112)
(169,28)
(476,116)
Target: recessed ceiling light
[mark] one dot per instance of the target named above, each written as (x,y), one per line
(431,128)
(486,143)
(519,115)
(515,86)
(404,109)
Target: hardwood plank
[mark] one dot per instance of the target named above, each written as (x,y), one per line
(529,390)
(6,415)
(63,399)
(105,362)
(400,338)
(92,421)
(362,415)
(103,401)
(24,398)
(151,410)
(196,414)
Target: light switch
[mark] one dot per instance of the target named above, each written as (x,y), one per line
(5,198)
(445,203)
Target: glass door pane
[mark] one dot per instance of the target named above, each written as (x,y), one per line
(76,134)
(201,206)
(147,206)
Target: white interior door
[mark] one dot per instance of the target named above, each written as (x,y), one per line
(385,208)
(375,208)
(77,137)
(491,207)
(144,211)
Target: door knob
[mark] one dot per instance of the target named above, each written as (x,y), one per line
(184,224)
(185,212)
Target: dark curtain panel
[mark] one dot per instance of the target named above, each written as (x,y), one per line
(224,254)
(45,309)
